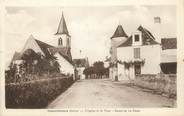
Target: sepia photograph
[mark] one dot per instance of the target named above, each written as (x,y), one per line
(90,57)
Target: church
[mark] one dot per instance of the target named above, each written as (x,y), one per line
(62,52)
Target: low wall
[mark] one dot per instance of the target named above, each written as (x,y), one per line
(160,84)
(35,94)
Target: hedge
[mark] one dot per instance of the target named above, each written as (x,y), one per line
(35,94)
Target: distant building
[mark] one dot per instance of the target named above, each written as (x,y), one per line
(62,52)
(141,54)
(80,65)
(168,55)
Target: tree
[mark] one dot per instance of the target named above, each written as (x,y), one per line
(10,74)
(97,69)
(36,63)
(57,67)
(29,56)
(88,71)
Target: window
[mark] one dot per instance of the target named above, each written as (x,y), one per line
(60,42)
(137,68)
(136,37)
(136,52)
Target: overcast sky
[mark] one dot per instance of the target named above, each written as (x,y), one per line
(90,27)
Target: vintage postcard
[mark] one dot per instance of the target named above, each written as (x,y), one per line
(103,58)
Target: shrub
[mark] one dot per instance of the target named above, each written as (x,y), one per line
(35,94)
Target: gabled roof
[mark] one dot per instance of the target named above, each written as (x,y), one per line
(62,28)
(82,62)
(45,48)
(147,38)
(128,42)
(119,32)
(169,43)
(48,50)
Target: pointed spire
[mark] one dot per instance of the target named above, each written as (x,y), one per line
(119,32)
(31,37)
(62,28)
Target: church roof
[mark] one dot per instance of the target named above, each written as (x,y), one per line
(62,28)
(65,52)
(169,43)
(48,50)
(119,32)
(45,48)
(147,38)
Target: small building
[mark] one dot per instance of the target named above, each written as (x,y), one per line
(168,55)
(80,65)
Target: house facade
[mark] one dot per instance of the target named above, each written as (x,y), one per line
(62,52)
(81,64)
(141,54)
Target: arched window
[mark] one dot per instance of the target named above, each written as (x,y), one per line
(68,41)
(60,42)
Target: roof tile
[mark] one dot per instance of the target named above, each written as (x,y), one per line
(119,32)
(148,38)
(169,43)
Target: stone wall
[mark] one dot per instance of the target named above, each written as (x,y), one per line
(161,83)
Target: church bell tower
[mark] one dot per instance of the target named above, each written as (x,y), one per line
(63,34)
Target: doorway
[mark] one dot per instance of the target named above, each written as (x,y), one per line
(137,68)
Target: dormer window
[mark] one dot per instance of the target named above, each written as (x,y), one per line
(136,38)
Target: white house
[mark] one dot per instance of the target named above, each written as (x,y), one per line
(62,52)
(142,54)
(139,54)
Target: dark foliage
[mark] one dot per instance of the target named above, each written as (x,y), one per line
(98,70)
(33,64)
(35,94)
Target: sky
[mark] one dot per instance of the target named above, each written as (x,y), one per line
(90,27)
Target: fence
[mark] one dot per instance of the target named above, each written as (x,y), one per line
(35,94)
(160,84)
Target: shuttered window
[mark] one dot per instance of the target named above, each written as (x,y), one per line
(136,52)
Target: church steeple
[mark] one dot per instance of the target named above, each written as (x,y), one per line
(62,28)
(63,34)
